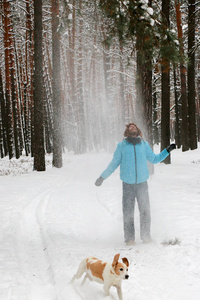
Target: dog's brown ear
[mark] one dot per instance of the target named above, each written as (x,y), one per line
(125,261)
(115,260)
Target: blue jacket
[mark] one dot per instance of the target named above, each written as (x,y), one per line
(133,161)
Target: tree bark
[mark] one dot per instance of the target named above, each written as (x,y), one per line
(144,88)
(3,124)
(184,109)
(8,110)
(39,152)
(177,112)
(81,108)
(144,92)
(191,75)
(165,83)
(57,128)
(198,101)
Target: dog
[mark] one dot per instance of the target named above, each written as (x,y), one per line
(109,274)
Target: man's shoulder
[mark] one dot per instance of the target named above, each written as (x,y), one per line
(125,143)
(122,143)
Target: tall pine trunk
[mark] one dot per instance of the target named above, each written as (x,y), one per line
(177,111)
(81,108)
(191,75)
(144,91)
(8,107)
(122,89)
(144,88)
(3,122)
(198,100)
(165,84)
(39,153)
(154,112)
(56,84)
(184,107)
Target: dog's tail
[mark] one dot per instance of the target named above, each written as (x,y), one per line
(81,269)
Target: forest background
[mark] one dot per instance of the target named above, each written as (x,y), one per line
(74,72)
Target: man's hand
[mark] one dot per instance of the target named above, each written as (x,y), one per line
(171,147)
(99,181)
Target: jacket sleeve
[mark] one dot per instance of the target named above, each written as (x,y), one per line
(155,158)
(114,164)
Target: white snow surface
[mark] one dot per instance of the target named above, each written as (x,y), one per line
(50,221)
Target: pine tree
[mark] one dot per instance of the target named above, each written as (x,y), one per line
(56,84)
(39,152)
(165,113)
(184,102)
(8,106)
(191,75)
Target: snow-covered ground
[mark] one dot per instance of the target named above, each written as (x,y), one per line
(50,221)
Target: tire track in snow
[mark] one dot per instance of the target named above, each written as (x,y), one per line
(32,247)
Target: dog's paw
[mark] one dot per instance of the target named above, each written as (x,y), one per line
(106,293)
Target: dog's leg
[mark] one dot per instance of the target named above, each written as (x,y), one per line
(80,271)
(119,292)
(84,279)
(106,289)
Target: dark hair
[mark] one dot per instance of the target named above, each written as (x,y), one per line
(127,133)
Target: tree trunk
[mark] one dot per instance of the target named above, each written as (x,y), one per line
(81,109)
(144,99)
(144,88)
(3,114)
(177,112)
(155,114)
(184,110)
(39,152)
(108,99)
(14,98)
(29,80)
(18,102)
(122,89)
(144,92)
(198,100)
(7,46)
(165,111)
(191,75)
(56,84)
(15,115)
(165,83)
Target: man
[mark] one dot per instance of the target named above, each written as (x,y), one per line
(132,155)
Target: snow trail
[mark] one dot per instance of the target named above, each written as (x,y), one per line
(51,221)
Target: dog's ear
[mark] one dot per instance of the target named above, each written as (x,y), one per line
(115,260)
(125,261)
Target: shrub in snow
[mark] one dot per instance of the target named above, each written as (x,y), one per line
(23,165)
(171,242)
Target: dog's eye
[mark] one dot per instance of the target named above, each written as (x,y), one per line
(121,269)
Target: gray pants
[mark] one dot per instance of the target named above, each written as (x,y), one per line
(140,192)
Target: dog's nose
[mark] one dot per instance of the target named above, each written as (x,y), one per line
(126,276)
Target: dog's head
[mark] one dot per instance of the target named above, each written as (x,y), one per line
(120,268)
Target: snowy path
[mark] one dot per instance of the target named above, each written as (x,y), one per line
(23,261)
(51,221)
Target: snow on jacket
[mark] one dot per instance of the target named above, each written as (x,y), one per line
(133,161)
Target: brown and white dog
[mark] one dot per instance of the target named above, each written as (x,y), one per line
(109,274)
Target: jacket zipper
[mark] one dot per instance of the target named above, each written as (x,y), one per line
(135,165)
